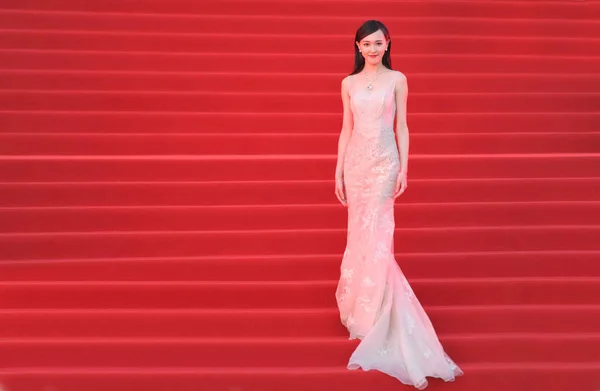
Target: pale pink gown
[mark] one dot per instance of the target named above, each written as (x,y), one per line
(376,302)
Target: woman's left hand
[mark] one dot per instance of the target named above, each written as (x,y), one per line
(401,184)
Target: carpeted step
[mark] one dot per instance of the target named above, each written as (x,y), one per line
(287,294)
(491,377)
(284,143)
(289,82)
(286,43)
(289,167)
(280,62)
(516,10)
(272,352)
(285,217)
(291,242)
(277,24)
(252,123)
(286,102)
(274,323)
(72,194)
(307,267)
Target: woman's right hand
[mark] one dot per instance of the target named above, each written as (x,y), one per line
(340,191)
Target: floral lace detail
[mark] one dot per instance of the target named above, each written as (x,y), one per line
(367,282)
(408,291)
(342,297)
(365,303)
(347,274)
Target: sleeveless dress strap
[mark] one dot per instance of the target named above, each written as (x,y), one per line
(351,84)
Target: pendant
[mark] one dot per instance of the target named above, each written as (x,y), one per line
(369,87)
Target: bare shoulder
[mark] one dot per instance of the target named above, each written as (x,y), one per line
(400,82)
(346,81)
(400,76)
(346,84)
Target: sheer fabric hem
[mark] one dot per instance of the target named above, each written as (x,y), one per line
(419,384)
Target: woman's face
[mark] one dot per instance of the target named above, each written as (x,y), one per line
(373,47)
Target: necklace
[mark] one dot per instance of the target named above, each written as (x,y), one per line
(370,83)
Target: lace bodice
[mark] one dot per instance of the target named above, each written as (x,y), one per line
(373,109)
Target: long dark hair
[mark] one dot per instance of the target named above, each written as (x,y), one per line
(368,28)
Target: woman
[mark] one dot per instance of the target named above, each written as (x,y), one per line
(376,302)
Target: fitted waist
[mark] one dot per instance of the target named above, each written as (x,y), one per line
(359,125)
(374,131)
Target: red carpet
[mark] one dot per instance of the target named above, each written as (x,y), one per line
(167,216)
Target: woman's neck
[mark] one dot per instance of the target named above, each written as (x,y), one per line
(368,68)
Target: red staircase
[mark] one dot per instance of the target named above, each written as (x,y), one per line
(167,216)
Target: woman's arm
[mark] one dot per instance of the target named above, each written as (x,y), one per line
(401,124)
(347,125)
